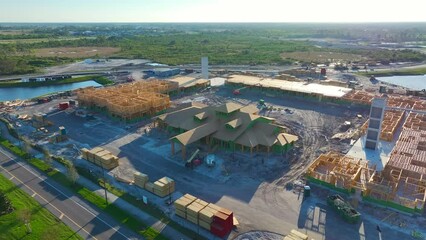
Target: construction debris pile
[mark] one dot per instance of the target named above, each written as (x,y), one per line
(100,157)
(217,220)
(129,101)
(162,187)
(344,209)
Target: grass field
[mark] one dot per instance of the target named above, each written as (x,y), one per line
(311,56)
(41,220)
(401,72)
(39,40)
(76,52)
(14,32)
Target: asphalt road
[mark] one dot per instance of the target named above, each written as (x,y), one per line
(73,211)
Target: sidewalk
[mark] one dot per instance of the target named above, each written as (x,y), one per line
(132,210)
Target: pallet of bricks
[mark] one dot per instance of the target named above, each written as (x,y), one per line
(296,235)
(100,157)
(211,217)
(162,187)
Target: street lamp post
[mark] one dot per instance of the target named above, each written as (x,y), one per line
(104,180)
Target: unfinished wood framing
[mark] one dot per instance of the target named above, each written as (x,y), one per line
(129,101)
(342,171)
(401,185)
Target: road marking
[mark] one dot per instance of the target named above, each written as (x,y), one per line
(12,178)
(62,215)
(36,175)
(33,193)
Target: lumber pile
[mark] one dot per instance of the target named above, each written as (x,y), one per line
(211,217)
(140,179)
(100,157)
(162,187)
(296,235)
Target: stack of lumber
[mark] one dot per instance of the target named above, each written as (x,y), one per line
(182,203)
(100,157)
(164,186)
(209,216)
(296,235)
(140,179)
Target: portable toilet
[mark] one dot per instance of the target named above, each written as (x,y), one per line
(307,191)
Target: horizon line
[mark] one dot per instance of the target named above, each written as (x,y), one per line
(297,22)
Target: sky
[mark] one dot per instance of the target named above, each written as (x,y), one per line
(212,11)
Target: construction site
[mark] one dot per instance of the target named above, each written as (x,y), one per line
(129,102)
(184,139)
(400,183)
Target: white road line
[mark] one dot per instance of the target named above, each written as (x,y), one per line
(62,215)
(93,214)
(11,178)
(25,185)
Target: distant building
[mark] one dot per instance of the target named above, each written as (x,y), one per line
(162,72)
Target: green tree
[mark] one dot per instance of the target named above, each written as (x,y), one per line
(72,174)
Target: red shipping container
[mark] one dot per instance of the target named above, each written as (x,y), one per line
(63,105)
(218,230)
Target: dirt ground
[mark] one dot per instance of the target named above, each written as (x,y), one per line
(76,52)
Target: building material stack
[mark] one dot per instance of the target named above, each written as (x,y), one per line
(182,203)
(296,235)
(100,157)
(217,220)
(60,136)
(162,187)
(140,179)
(39,120)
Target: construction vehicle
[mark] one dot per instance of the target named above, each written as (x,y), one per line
(195,159)
(343,208)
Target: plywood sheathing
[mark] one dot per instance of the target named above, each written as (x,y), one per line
(129,101)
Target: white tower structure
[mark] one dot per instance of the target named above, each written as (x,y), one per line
(377,113)
(205,67)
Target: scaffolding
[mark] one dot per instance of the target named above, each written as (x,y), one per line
(129,101)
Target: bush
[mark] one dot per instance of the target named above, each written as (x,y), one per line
(5,205)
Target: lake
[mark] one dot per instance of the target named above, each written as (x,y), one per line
(8,94)
(416,82)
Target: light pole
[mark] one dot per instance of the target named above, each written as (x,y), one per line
(104,180)
(380,232)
